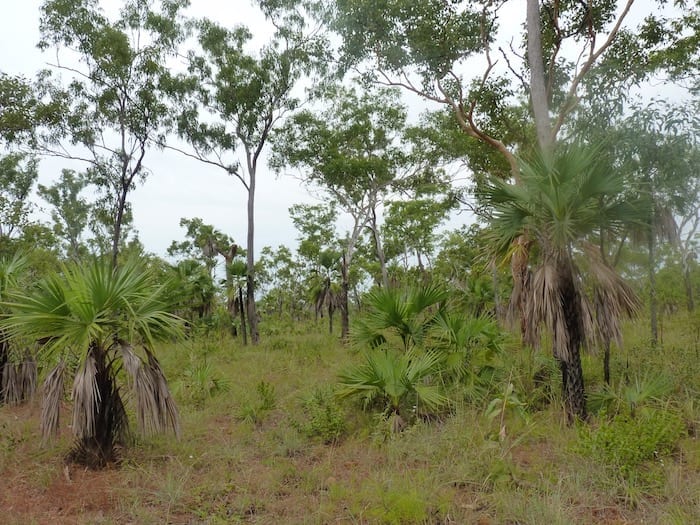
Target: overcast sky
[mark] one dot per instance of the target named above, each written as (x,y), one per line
(178,187)
(182,187)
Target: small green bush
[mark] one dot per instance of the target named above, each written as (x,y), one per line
(324,417)
(200,383)
(253,410)
(626,442)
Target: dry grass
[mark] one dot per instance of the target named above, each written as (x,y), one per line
(229,469)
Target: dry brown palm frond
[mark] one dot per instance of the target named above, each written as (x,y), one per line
(86,398)
(51,404)
(544,306)
(19,380)
(614,299)
(588,322)
(156,411)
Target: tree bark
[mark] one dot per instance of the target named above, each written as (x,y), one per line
(570,362)
(344,306)
(250,260)
(653,307)
(241,311)
(538,84)
(688,284)
(379,249)
(118,220)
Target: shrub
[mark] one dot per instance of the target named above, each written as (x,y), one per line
(626,443)
(324,417)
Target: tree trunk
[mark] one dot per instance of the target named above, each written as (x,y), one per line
(496,298)
(570,361)
(110,420)
(653,307)
(250,261)
(4,361)
(379,249)
(606,362)
(538,84)
(118,220)
(241,311)
(331,311)
(688,283)
(344,306)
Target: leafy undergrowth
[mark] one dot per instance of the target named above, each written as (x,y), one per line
(264,441)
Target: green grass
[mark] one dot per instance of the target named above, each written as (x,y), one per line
(270,467)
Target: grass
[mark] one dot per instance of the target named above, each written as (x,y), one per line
(246,458)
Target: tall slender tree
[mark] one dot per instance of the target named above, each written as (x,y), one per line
(232,99)
(353,153)
(114,104)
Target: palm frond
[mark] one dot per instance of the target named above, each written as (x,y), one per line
(19,380)
(156,411)
(51,403)
(86,398)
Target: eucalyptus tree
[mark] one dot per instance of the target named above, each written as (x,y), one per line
(411,225)
(18,175)
(70,211)
(352,152)
(233,98)
(658,148)
(281,280)
(204,243)
(558,204)
(114,105)
(320,251)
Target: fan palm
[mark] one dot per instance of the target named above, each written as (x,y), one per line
(563,197)
(394,382)
(105,317)
(18,369)
(407,314)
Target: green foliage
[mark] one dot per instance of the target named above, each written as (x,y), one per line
(627,443)
(403,384)
(254,410)
(400,506)
(18,174)
(70,211)
(324,418)
(200,382)
(632,395)
(404,313)
(499,407)
(96,312)
(93,303)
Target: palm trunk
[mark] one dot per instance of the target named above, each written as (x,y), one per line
(606,361)
(570,360)
(98,448)
(331,311)
(4,361)
(688,283)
